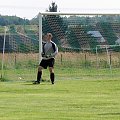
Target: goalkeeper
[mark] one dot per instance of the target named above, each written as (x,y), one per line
(49,52)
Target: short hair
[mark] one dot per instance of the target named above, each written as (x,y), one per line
(50,34)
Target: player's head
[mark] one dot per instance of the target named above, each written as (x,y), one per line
(49,36)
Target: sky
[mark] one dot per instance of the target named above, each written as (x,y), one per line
(30,8)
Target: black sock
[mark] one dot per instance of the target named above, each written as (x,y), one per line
(52,77)
(39,74)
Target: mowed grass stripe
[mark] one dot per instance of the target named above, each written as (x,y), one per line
(66,100)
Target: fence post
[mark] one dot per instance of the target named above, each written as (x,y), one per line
(61,58)
(85,60)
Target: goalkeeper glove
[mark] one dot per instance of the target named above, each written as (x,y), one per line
(43,54)
(47,56)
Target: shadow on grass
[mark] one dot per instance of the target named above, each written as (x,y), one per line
(4,80)
(36,84)
(110,113)
(43,81)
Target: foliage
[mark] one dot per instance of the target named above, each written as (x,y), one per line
(108,32)
(116,48)
(8,20)
(3,79)
(72,39)
(58,22)
(53,7)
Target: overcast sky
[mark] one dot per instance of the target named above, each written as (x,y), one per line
(30,8)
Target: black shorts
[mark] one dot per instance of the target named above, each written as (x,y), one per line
(47,63)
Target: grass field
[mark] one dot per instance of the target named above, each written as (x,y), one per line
(66,100)
(81,92)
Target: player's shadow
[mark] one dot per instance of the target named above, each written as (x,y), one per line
(43,82)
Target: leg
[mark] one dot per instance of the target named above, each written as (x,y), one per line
(42,65)
(39,74)
(52,76)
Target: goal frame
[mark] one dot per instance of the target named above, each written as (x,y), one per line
(107,52)
(62,13)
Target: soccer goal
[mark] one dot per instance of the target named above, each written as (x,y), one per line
(86,42)
(19,53)
(107,54)
(88,46)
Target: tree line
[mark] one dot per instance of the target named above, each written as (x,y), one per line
(83,20)
(9,20)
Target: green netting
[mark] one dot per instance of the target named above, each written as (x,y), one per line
(76,36)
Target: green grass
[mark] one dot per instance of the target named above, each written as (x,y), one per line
(66,100)
(29,74)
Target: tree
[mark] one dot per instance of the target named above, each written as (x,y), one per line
(53,7)
(54,24)
(8,20)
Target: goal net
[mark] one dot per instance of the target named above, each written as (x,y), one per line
(82,39)
(107,57)
(19,53)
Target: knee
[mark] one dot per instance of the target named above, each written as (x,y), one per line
(51,70)
(39,68)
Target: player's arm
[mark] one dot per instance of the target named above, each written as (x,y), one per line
(55,52)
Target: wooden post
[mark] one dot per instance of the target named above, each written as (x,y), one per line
(61,58)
